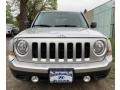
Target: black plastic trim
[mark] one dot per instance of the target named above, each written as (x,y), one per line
(96,75)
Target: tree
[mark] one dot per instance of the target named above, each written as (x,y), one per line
(23,14)
(35,6)
(9,16)
(29,8)
(53,4)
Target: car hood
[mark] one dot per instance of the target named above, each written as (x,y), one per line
(60,32)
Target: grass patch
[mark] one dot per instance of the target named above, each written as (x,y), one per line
(112,71)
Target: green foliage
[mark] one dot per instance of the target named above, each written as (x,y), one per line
(34,6)
(9,17)
(53,4)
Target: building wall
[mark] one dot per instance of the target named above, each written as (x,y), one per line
(104,17)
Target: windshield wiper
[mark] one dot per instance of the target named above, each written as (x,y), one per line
(43,25)
(65,26)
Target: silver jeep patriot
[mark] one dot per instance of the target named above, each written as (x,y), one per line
(61,47)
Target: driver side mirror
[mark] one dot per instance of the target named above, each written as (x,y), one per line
(93,25)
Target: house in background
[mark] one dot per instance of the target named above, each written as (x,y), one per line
(104,16)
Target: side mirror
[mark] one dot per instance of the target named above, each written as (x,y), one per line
(93,25)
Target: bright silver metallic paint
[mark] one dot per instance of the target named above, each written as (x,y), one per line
(64,34)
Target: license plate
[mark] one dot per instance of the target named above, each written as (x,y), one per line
(60,76)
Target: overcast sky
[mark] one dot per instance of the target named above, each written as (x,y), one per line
(79,5)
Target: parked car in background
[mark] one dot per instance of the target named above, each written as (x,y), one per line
(11,29)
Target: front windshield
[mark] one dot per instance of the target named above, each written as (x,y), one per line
(60,19)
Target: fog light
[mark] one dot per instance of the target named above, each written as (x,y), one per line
(86,78)
(34,79)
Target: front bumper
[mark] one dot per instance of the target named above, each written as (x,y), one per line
(21,75)
(78,68)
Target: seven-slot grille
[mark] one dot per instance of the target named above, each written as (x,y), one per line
(65,52)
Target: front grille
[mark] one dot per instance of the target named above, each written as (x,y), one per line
(57,51)
(61,50)
(78,50)
(69,50)
(43,50)
(35,50)
(52,50)
(87,50)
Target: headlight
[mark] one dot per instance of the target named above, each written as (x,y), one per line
(99,47)
(22,47)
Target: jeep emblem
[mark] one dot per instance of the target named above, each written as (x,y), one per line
(61,35)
